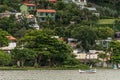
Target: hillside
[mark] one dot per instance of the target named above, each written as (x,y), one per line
(112,4)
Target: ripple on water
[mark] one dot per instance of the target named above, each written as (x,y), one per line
(59,75)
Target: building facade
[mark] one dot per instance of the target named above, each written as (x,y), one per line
(43,14)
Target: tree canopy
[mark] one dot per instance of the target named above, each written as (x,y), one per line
(52,50)
(115,52)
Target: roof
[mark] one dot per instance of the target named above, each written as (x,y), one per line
(46,10)
(11,38)
(27,4)
(52,0)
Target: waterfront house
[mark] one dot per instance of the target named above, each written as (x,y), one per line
(27,8)
(43,14)
(92,54)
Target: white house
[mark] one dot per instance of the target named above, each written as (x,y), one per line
(93,54)
(80,3)
(11,45)
(86,56)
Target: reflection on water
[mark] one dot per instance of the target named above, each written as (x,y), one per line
(59,75)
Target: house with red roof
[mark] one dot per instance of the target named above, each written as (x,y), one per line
(27,8)
(43,14)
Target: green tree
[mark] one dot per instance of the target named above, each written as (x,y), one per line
(51,51)
(86,36)
(104,32)
(16,28)
(13,4)
(21,55)
(115,52)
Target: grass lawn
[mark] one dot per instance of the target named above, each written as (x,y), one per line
(106,21)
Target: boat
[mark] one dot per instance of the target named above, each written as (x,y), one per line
(87,71)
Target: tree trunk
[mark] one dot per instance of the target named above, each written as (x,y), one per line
(18,63)
(36,63)
(22,63)
(104,64)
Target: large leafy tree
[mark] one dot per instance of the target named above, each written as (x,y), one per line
(115,52)
(21,55)
(86,36)
(50,51)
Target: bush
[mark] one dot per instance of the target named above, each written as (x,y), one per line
(80,66)
(4,58)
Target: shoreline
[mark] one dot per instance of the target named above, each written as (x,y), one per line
(42,68)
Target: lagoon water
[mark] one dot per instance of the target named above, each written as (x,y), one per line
(102,74)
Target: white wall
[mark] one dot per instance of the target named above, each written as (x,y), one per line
(12,45)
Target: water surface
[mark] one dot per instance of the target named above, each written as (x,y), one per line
(59,75)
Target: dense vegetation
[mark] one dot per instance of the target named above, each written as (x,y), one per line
(42,49)
(109,6)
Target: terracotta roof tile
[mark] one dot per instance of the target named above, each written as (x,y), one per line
(52,0)
(11,38)
(29,4)
(46,10)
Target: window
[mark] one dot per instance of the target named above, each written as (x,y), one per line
(52,14)
(42,19)
(29,7)
(41,14)
(46,14)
